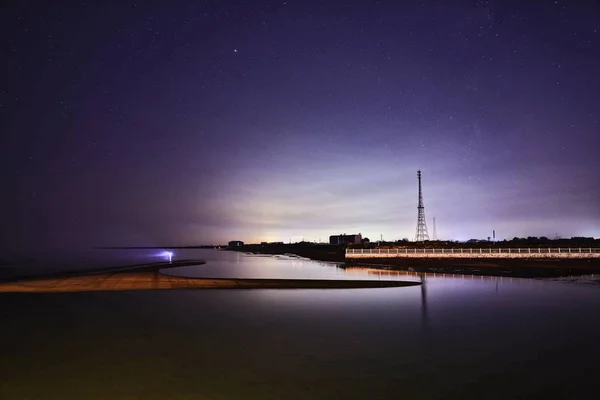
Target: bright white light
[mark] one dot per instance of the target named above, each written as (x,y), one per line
(168,255)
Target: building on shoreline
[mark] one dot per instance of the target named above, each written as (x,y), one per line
(345,239)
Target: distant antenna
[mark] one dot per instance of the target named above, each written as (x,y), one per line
(422,234)
(435,237)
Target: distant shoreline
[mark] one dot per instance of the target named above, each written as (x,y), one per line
(153,247)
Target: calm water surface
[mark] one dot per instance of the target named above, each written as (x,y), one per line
(455,337)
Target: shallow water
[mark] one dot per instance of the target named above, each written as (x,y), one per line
(454,337)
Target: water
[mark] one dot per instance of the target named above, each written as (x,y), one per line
(455,337)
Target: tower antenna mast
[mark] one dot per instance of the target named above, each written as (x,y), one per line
(422,234)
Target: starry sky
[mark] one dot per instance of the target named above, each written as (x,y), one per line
(200,122)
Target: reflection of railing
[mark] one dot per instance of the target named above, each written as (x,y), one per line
(416,276)
(533,252)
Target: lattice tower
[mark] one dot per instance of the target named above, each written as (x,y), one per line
(422,234)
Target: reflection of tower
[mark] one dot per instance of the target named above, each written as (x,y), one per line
(421,224)
(423,300)
(434,231)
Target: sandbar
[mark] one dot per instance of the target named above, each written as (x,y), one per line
(150,277)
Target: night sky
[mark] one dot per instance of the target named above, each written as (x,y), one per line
(200,122)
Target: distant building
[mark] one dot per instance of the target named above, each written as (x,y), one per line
(345,239)
(236,243)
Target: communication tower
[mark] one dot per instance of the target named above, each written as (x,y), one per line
(422,234)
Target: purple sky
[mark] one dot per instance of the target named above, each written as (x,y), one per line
(202,122)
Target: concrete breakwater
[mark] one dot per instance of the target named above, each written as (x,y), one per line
(476,253)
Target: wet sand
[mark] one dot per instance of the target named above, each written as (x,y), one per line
(150,277)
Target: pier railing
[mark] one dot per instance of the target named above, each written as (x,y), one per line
(498,252)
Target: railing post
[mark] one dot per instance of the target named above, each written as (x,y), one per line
(529,248)
(580,250)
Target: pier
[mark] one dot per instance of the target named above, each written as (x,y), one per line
(577,253)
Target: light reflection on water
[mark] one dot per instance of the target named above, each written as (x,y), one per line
(455,337)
